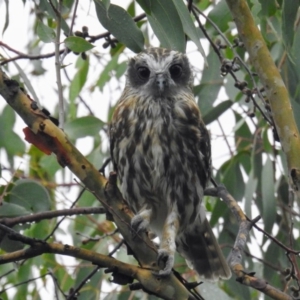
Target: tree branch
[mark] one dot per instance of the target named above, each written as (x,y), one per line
(52,214)
(274,86)
(236,255)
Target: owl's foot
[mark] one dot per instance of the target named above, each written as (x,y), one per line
(138,224)
(164,257)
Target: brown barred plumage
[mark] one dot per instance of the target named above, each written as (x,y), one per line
(160,149)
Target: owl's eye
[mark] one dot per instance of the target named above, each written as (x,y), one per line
(175,71)
(143,73)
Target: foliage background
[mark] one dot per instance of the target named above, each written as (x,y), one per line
(246,157)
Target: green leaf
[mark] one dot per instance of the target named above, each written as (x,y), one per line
(45,7)
(10,246)
(120,24)
(188,24)
(78,82)
(249,192)
(6,17)
(166,23)
(11,210)
(121,69)
(268,195)
(78,44)
(217,111)
(211,82)
(106,73)
(221,15)
(82,127)
(256,163)
(31,195)
(268,8)
(292,76)
(243,135)
(12,145)
(289,13)
(106,3)
(45,33)
(218,212)
(266,143)
(233,178)
(27,82)
(49,164)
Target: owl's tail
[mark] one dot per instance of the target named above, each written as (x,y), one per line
(198,245)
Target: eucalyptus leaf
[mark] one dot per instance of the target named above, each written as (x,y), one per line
(120,24)
(78,44)
(82,127)
(31,195)
(289,13)
(188,24)
(11,210)
(217,111)
(45,33)
(268,195)
(166,23)
(78,81)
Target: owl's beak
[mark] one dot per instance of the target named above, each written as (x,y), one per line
(161,81)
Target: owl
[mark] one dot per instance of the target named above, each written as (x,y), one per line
(161,151)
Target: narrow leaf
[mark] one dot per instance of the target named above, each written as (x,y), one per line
(249,193)
(217,111)
(289,13)
(82,127)
(188,24)
(166,24)
(120,24)
(268,198)
(106,73)
(79,79)
(45,33)
(221,15)
(6,16)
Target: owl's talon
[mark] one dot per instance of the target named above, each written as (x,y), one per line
(138,224)
(167,259)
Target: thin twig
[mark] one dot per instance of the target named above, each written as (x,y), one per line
(52,214)
(83,282)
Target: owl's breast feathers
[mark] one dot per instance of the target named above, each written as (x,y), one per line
(161,150)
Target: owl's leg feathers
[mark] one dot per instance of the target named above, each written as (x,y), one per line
(168,247)
(140,222)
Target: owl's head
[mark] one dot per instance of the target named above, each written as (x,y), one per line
(160,72)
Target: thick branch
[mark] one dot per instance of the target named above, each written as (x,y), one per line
(274,86)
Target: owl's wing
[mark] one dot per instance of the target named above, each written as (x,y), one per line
(112,141)
(197,242)
(205,149)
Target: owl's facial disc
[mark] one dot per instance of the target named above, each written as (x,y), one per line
(160,72)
